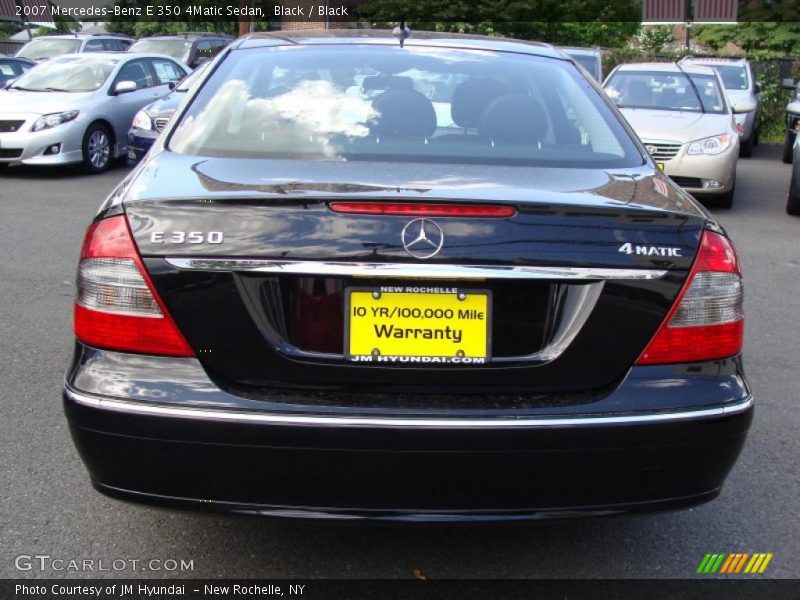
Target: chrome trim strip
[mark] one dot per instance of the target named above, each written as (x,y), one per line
(234,416)
(409,270)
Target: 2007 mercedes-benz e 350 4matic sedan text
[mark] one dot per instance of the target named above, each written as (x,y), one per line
(433,281)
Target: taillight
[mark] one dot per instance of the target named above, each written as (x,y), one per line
(423,209)
(707,320)
(116,305)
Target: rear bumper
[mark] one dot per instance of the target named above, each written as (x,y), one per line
(420,469)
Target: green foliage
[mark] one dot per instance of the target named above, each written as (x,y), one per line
(654,38)
(139,27)
(579,23)
(778,38)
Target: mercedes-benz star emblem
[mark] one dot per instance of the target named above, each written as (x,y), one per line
(422,238)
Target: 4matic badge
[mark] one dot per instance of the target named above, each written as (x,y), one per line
(646,250)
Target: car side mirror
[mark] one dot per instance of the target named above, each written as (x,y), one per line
(172,85)
(788,83)
(125,87)
(757,88)
(744,106)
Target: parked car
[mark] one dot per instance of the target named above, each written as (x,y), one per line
(792,119)
(11,68)
(793,202)
(152,119)
(315,303)
(681,115)
(50,46)
(78,108)
(192,49)
(590,59)
(740,86)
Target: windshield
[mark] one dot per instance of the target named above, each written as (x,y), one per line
(69,74)
(410,104)
(43,49)
(177,49)
(658,90)
(733,77)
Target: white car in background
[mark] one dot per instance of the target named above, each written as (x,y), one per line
(684,120)
(78,108)
(740,86)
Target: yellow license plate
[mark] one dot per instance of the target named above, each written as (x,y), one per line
(418,324)
(660,166)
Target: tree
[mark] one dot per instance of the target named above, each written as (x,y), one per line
(653,39)
(573,22)
(773,37)
(138,27)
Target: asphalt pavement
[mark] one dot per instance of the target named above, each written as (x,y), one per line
(49,508)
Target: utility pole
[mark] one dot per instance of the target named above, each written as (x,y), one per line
(689,14)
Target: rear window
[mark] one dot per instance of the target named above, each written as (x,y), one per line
(402,104)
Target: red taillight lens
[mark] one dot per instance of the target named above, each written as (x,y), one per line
(422,209)
(116,305)
(707,320)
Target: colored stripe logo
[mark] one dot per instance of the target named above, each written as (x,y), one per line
(735,562)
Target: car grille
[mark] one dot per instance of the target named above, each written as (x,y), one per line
(161,122)
(10,153)
(662,151)
(10,126)
(688,182)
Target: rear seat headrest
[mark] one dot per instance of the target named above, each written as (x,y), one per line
(514,119)
(387,82)
(403,113)
(471,97)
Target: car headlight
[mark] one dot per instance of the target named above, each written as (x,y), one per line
(142,120)
(716,144)
(53,120)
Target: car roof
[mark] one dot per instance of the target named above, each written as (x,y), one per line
(667,68)
(581,51)
(120,56)
(710,60)
(84,36)
(385,37)
(186,36)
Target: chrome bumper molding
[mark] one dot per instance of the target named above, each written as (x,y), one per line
(410,270)
(234,416)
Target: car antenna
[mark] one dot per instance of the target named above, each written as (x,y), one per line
(401,32)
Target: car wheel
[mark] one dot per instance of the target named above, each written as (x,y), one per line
(3,166)
(756,138)
(788,147)
(96,149)
(793,203)
(746,149)
(725,200)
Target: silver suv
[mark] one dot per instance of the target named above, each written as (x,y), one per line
(49,46)
(740,86)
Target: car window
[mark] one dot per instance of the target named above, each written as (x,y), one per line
(177,49)
(69,74)
(42,48)
(166,71)
(733,77)
(412,104)
(659,90)
(203,51)
(137,72)
(95,46)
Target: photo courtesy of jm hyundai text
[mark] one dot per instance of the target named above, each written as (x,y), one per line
(405,277)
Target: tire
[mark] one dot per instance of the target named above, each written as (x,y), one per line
(756,138)
(793,205)
(3,167)
(788,147)
(746,149)
(726,200)
(97,149)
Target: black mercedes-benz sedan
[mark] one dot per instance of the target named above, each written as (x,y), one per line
(438,280)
